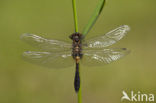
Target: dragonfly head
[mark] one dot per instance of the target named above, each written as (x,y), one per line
(76,37)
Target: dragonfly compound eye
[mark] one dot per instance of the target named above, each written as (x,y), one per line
(76,38)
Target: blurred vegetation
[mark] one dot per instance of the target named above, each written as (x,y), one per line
(22,82)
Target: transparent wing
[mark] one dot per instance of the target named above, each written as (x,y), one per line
(107,39)
(45,44)
(49,59)
(100,57)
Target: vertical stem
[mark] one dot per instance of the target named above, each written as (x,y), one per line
(76,30)
(75,15)
(79,92)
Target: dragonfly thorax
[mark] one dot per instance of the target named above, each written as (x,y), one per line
(76,47)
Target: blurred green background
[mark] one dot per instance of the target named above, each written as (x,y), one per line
(23,82)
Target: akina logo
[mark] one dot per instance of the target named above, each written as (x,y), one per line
(137,97)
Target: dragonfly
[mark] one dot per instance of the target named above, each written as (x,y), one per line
(61,54)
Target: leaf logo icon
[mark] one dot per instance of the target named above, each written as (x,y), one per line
(125,96)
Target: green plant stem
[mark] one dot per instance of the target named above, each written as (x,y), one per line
(75,15)
(76,30)
(79,92)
